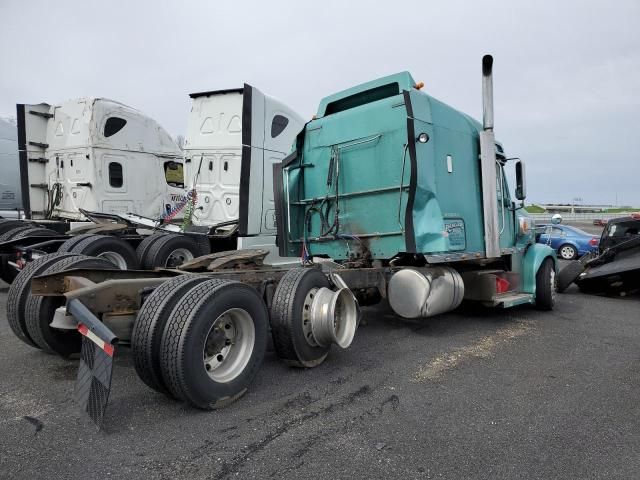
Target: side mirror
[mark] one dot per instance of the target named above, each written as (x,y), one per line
(521,186)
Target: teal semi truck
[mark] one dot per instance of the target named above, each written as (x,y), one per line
(387,193)
(388,176)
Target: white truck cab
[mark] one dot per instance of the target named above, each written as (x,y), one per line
(98,155)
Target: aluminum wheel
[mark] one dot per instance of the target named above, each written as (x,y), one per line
(115,258)
(567,252)
(229,345)
(306,318)
(178,257)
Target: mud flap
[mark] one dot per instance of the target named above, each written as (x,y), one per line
(94,380)
(93,383)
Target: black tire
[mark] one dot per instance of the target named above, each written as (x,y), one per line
(20,290)
(146,337)
(68,244)
(187,332)
(105,245)
(161,252)
(11,224)
(287,321)
(545,285)
(12,232)
(35,232)
(39,311)
(144,245)
(567,248)
(568,274)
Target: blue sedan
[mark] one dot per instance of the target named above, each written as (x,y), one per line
(569,242)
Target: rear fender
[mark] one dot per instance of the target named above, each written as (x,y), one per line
(533,258)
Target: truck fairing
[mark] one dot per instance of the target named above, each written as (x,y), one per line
(234,137)
(405,168)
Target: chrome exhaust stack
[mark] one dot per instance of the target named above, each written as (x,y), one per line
(488,163)
(334,315)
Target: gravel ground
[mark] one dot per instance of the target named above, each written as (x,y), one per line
(470,394)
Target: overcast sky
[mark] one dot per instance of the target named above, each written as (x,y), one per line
(567,73)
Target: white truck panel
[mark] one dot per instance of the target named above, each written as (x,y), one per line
(96,154)
(10,200)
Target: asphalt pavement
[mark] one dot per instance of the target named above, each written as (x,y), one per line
(469,394)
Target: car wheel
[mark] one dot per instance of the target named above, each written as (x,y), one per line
(568,252)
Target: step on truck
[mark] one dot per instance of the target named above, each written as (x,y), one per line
(232,135)
(388,193)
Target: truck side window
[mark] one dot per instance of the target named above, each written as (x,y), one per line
(174,174)
(278,124)
(113,125)
(115,175)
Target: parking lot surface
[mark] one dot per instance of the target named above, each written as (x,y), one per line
(470,394)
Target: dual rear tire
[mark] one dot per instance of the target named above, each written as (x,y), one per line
(171,250)
(200,340)
(108,247)
(30,316)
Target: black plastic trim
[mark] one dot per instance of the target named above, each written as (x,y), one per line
(245,165)
(215,92)
(22,156)
(281,218)
(409,232)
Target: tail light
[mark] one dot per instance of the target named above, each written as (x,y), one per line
(502,285)
(593,242)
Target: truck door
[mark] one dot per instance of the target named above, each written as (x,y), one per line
(505,211)
(32,145)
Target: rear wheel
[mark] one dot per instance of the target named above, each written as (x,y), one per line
(290,326)
(214,342)
(144,245)
(20,291)
(568,252)
(39,311)
(68,244)
(110,248)
(171,251)
(546,285)
(146,337)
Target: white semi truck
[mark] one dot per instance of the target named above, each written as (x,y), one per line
(89,156)
(10,200)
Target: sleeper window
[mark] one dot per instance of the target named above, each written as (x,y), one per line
(278,124)
(113,125)
(115,175)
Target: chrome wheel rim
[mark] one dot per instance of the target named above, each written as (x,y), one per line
(552,281)
(229,345)
(178,257)
(566,253)
(115,258)
(307,330)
